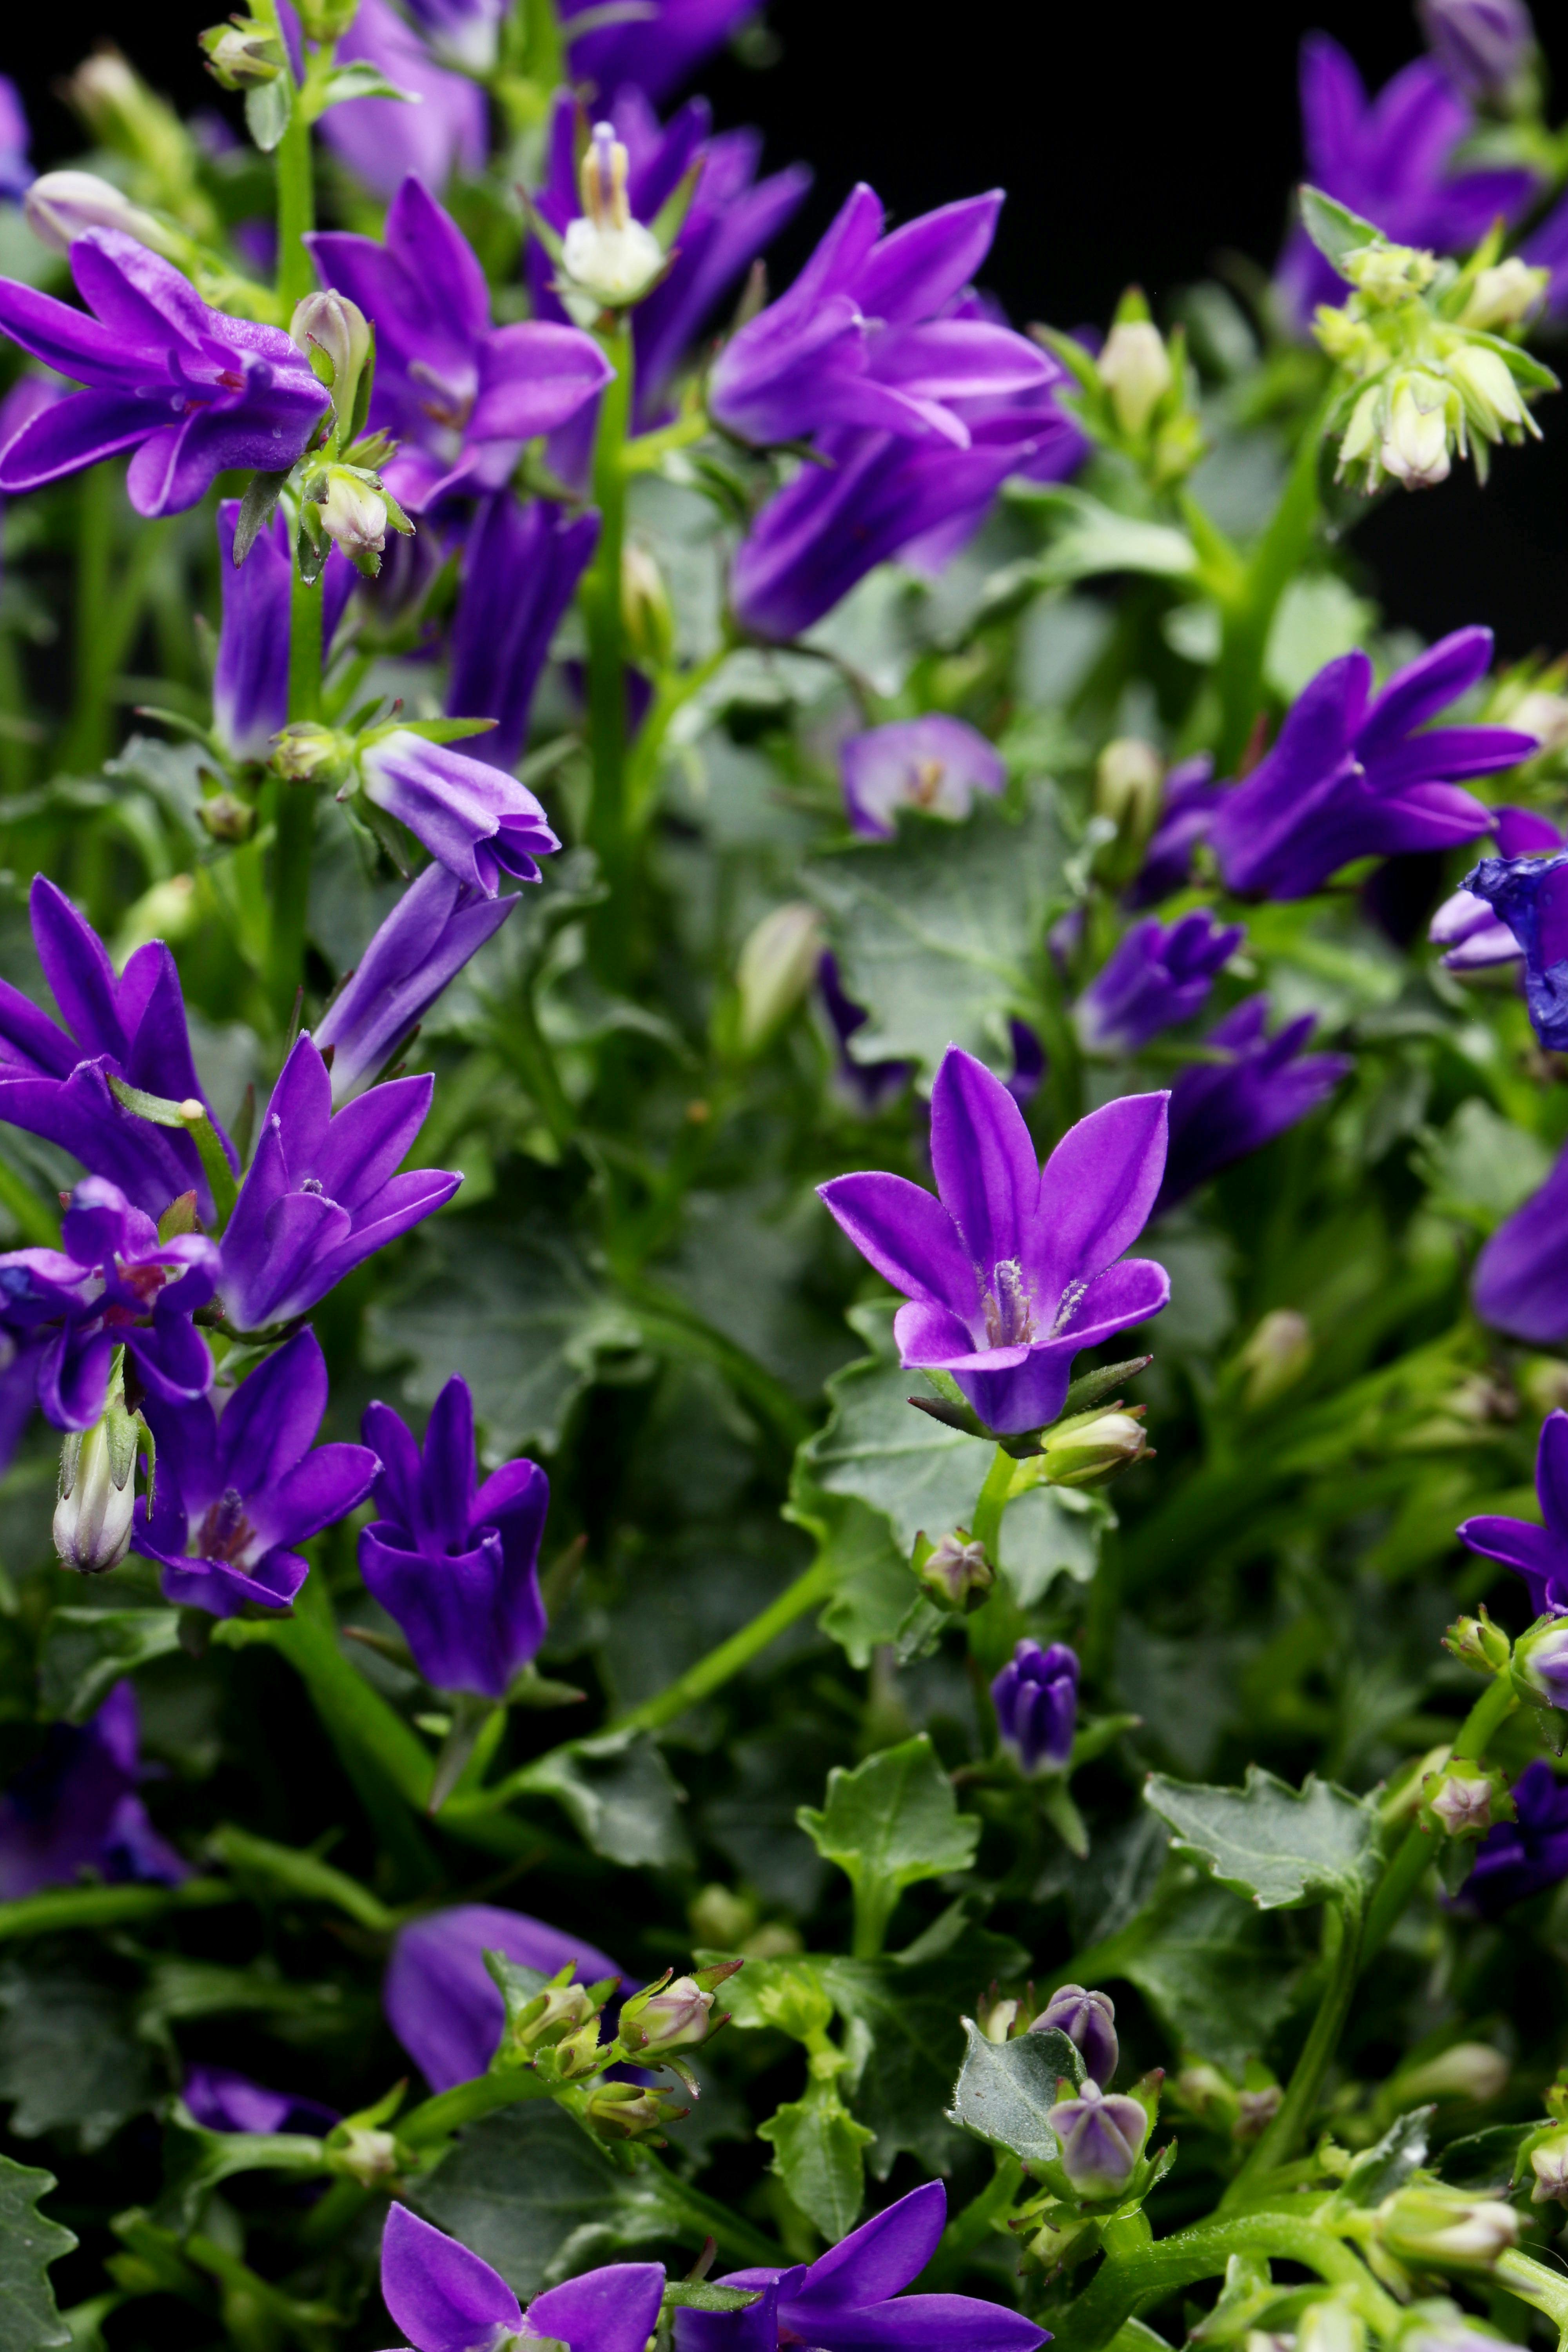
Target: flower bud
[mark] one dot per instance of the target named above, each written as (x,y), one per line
(1549,2162)
(647,613)
(1483,46)
(1491,397)
(1439,2327)
(352,512)
(1208,2093)
(560,2011)
(371,2157)
(1477,1642)
(624,2109)
(1275,1356)
(334,335)
(1427,2226)
(1541,1662)
(1507,294)
(1036,1699)
(94,1514)
(676,2014)
(1544,716)
(226,818)
(777,966)
(1101,2140)
(1090,1449)
(1421,414)
(1469,2070)
(1129,782)
(997,2019)
(954,1572)
(308,752)
(244,54)
(1255,2110)
(1135,369)
(1387,274)
(122,112)
(1330,2325)
(1089,2021)
(63,205)
(1464,1804)
(326,20)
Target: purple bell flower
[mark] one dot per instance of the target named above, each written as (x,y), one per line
(382,140)
(192,391)
(1015,1267)
(1522,1857)
(321,1193)
(870,1085)
(1345,779)
(1036,1699)
(236,1493)
(455,1563)
(849,2297)
(1222,1111)
(439,1998)
(657,50)
(75,1807)
(129,1026)
(1470,931)
(520,570)
(1186,812)
(1531,895)
(1089,2021)
(1388,159)
(478,821)
(1520,1281)
(1158,975)
(431,934)
(222,2101)
(462,397)
(868,335)
(1483,46)
(935,764)
(17,173)
(112,1284)
(1101,2139)
(250,678)
(444,2299)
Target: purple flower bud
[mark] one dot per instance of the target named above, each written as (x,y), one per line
(1481,45)
(478,822)
(934,763)
(225,2102)
(1089,2021)
(1541,1661)
(669,2019)
(1158,975)
(431,934)
(1036,1699)
(1101,2140)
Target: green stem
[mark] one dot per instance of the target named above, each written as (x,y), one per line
(349,1708)
(601,599)
(1128,2283)
(437,2119)
(295,203)
(58,1909)
(1288,2128)
(721,1666)
(986,1526)
(295,805)
(687,2208)
(675,692)
(1418,1847)
(1238,674)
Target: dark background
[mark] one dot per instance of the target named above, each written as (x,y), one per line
(1135,143)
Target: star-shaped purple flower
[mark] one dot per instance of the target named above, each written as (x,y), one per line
(935,762)
(439,1998)
(1539,1554)
(1015,1267)
(444,2299)
(75,1807)
(1221,1111)
(1158,974)
(1520,1281)
(1522,1857)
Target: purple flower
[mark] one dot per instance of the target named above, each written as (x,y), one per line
(868,1085)
(192,392)
(1524,1856)
(1089,2021)
(868,335)
(1465,926)
(478,821)
(222,2101)
(849,2297)
(455,1563)
(382,139)
(520,570)
(1547,248)
(1101,2139)
(1015,1268)
(1186,811)
(1221,1111)
(75,1808)
(1346,780)
(320,1195)
(657,50)
(1158,975)
(1387,159)
(431,934)
(462,395)
(935,764)
(238,1492)
(250,680)
(129,1026)
(17,174)
(466,32)
(1482,46)
(444,2299)
(439,1998)
(1531,895)
(1036,1699)
(1028,1063)
(1521,1283)
(112,1284)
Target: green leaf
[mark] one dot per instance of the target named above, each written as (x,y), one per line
(358,79)
(256,508)
(818,2154)
(937,933)
(891,1822)
(1378,2171)
(69,2056)
(267,107)
(29,2243)
(1333,228)
(286,1870)
(1217,1974)
(1005,2090)
(1282,1847)
(85,1651)
(620,1795)
(1095,539)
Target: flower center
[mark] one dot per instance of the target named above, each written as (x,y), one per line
(604,180)
(226,1533)
(925,781)
(443,401)
(1009,1310)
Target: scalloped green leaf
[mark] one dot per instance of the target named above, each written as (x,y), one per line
(1282,1846)
(29,2243)
(891,1822)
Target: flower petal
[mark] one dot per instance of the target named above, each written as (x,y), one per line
(986,1169)
(444,2298)
(611,2310)
(1096,1195)
(906,1234)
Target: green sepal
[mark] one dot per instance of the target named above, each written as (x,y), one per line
(269,108)
(191,1115)
(1333,228)
(256,508)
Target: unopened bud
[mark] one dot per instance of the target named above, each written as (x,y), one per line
(1431,2227)
(1090,1449)
(554,2014)
(1541,1662)
(1477,1642)
(1465,1803)
(244,54)
(1129,783)
(1492,400)
(1387,274)
(306,752)
(1255,2110)
(63,205)
(1422,413)
(226,818)
(647,613)
(1544,716)
(1506,295)
(334,335)
(1101,2140)
(1089,2021)
(998,2018)
(777,966)
(97,1505)
(1206,2092)
(1135,369)
(1330,2325)
(1275,1356)
(352,512)
(371,2157)
(1549,2162)
(667,2019)
(626,2109)
(1469,2070)
(954,1572)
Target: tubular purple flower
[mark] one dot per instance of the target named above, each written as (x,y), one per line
(850,2297)
(444,2299)
(1036,1699)
(130,1026)
(74,1807)
(222,2101)
(477,820)
(1158,975)
(1101,2139)
(1089,2021)
(382,140)
(934,763)
(1530,897)
(440,1999)
(1189,797)
(1015,1267)
(1520,1281)
(1482,46)
(192,391)
(1348,779)
(250,678)
(320,1195)
(1525,1856)
(1539,1554)
(456,1564)
(17,174)
(431,934)
(520,570)
(657,50)
(238,1492)
(1222,1111)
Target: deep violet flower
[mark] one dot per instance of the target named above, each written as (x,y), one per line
(1351,779)
(462,395)
(17,174)
(222,2101)
(1471,932)
(382,140)
(1158,974)
(54,1081)
(1547,248)
(1015,1268)
(1388,159)
(478,821)
(321,1193)
(1520,1281)
(1482,46)
(521,569)
(110,1284)
(1089,2021)
(1539,1554)
(1189,798)
(250,678)
(190,390)
(444,2299)
(657,50)
(431,934)
(1101,2139)
(456,1564)
(1036,1699)
(849,2297)
(1222,1111)
(75,1807)
(1028,1063)
(868,1085)
(1522,1857)
(1530,895)
(439,1998)
(934,763)
(238,1492)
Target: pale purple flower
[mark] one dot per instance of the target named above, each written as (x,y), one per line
(658,48)
(1482,46)
(935,764)
(431,934)
(1520,1281)
(1530,896)
(1089,2021)
(478,821)
(1158,974)
(17,174)
(1473,935)
(1101,2139)
(444,2299)
(439,1998)
(521,565)
(250,676)
(74,1807)
(192,390)
(1221,1111)
(222,2101)
(1036,1699)
(1539,1554)
(1015,1268)
(382,139)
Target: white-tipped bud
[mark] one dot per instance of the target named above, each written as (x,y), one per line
(1506,295)
(353,511)
(777,965)
(954,1571)
(1135,369)
(646,615)
(669,2019)
(1492,399)
(334,335)
(1277,1355)
(1470,2070)
(1549,2162)
(244,55)
(1544,716)
(1421,415)
(94,1515)
(1464,1804)
(1387,274)
(1129,781)
(63,205)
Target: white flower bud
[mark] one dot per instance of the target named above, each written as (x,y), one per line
(1387,274)
(777,965)
(1542,715)
(1549,2162)
(63,205)
(1491,397)
(669,2019)
(97,1502)
(1415,438)
(338,329)
(1470,2070)
(1277,1355)
(1464,1804)
(1129,781)
(1135,369)
(353,512)
(1505,294)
